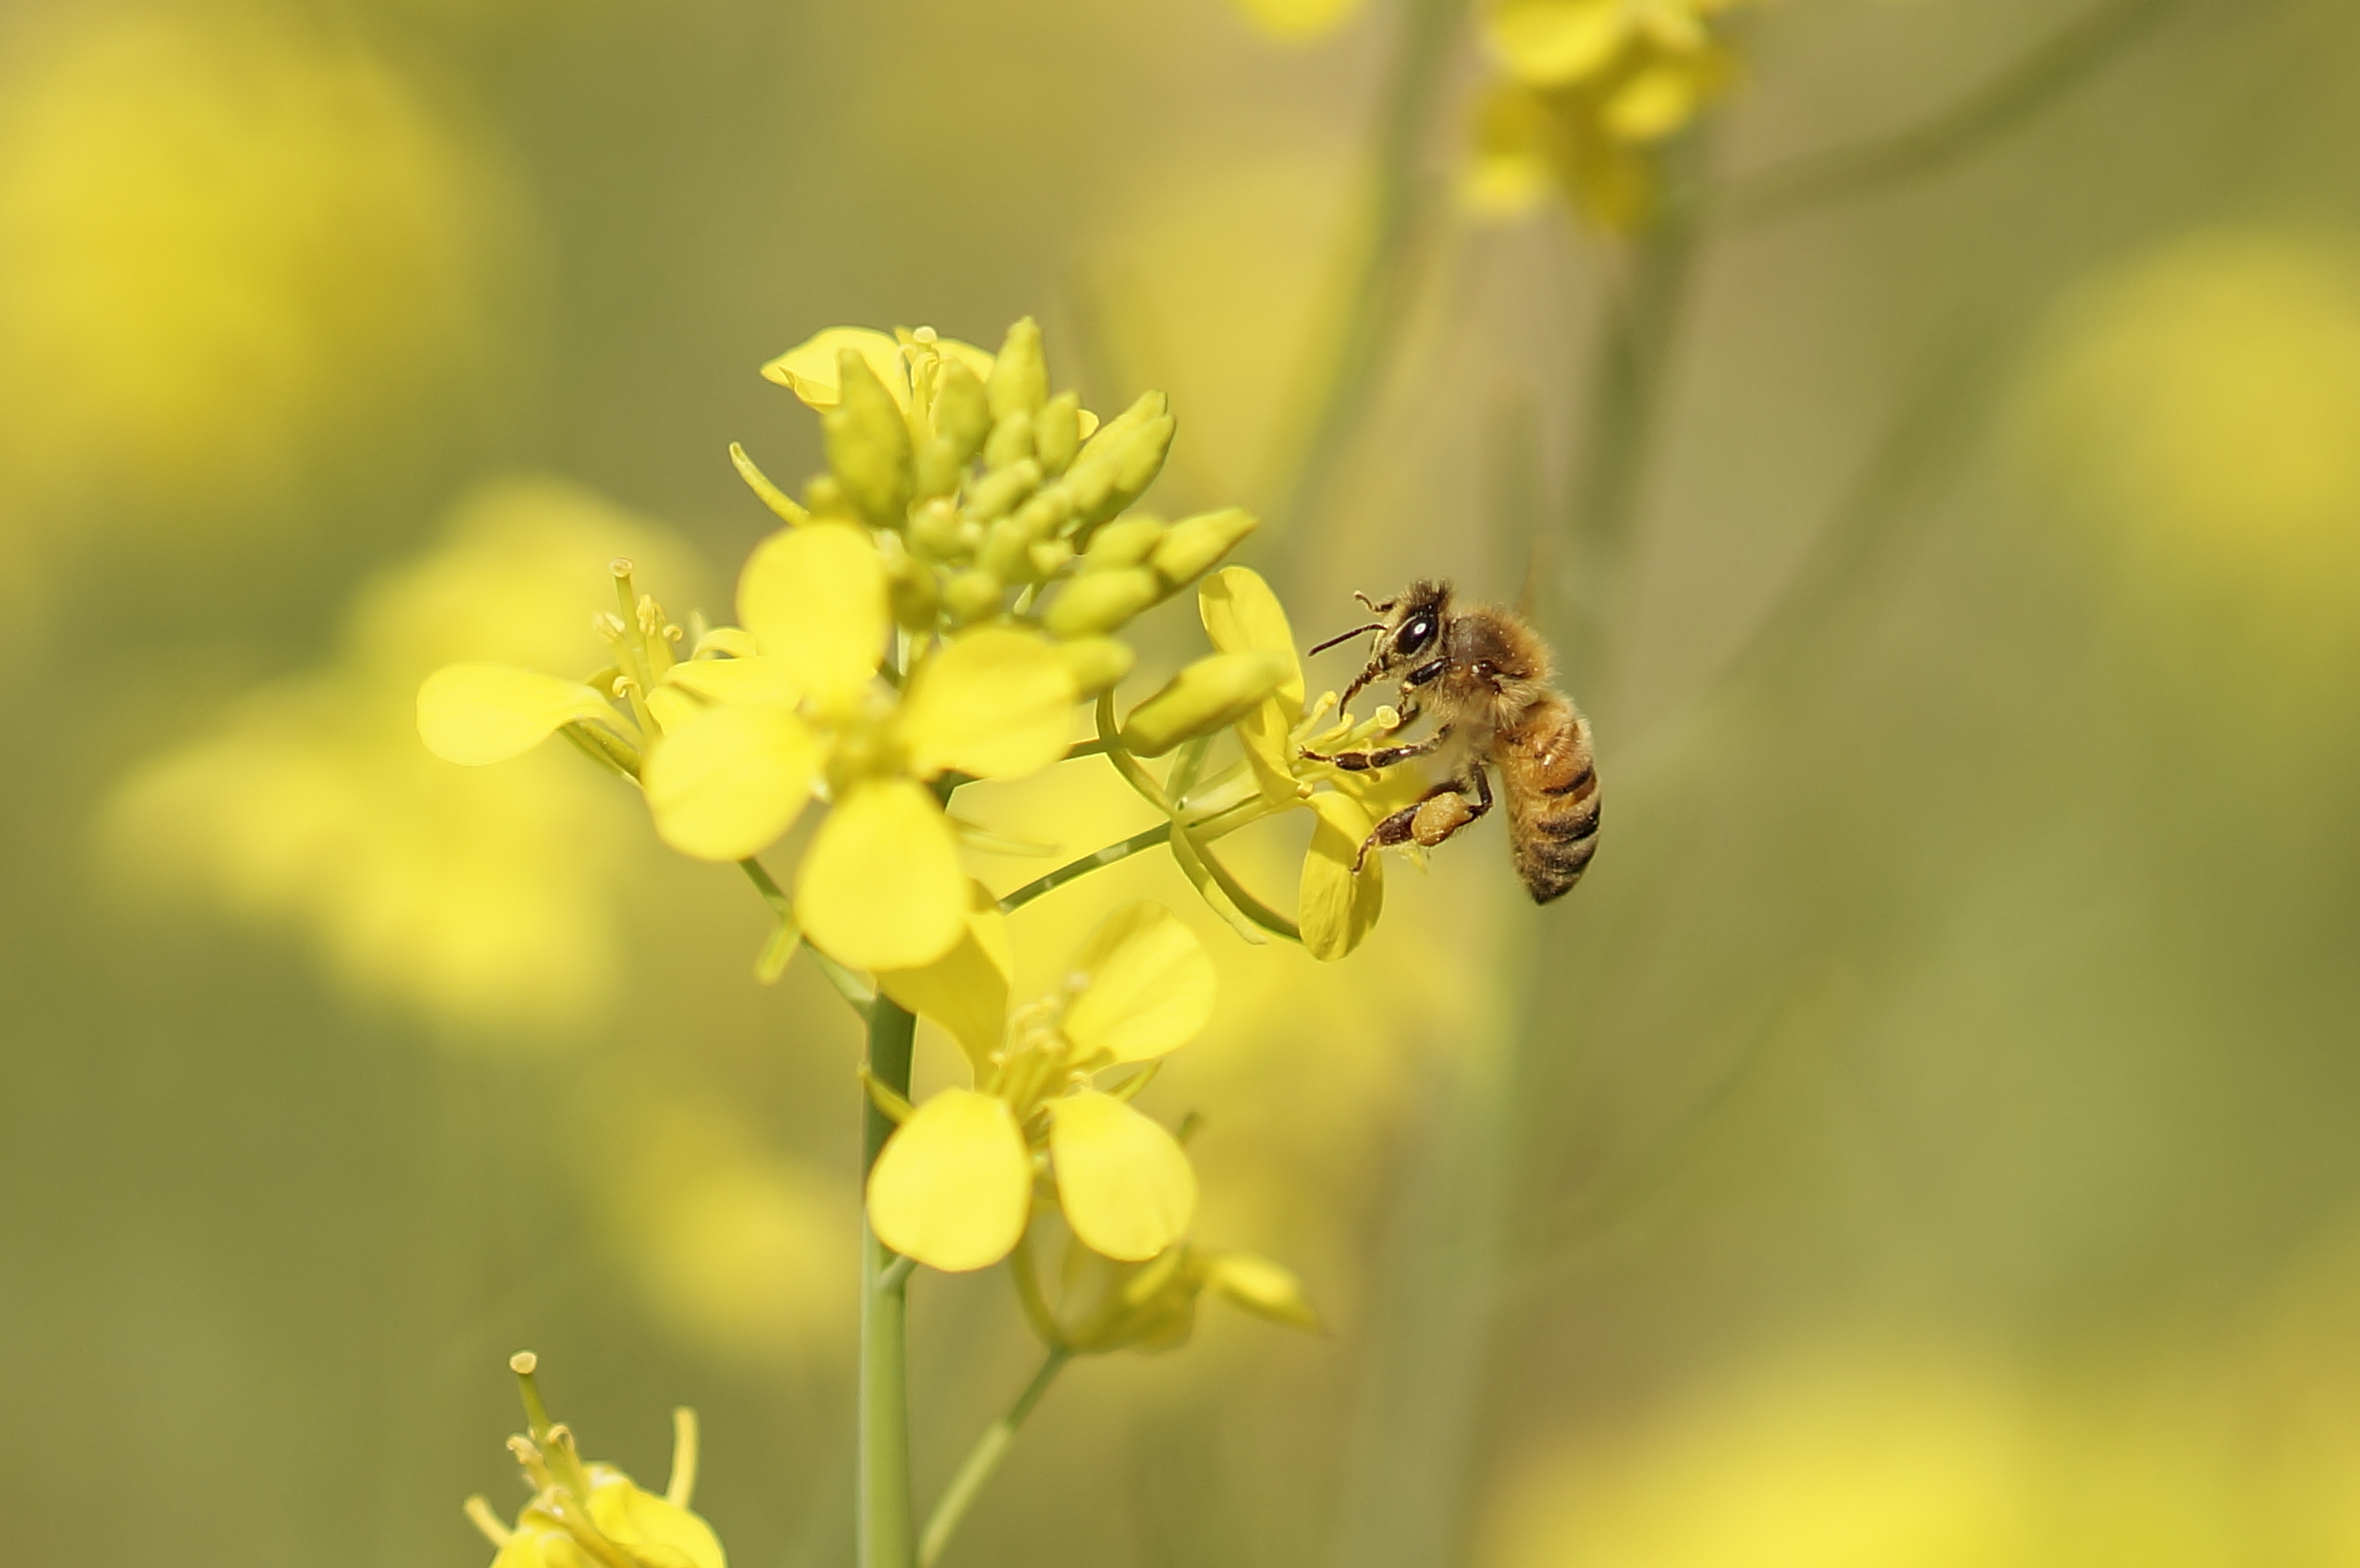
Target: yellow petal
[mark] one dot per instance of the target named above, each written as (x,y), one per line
(1124,1182)
(727,783)
(659,1533)
(997,704)
(809,369)
(815,600)
(1242,615)
(880,887)
(965,990)
(476,714)
(1264,1288)
(1549,43)
(719,680)
(1146,987)
(1338,908)
(954,1183)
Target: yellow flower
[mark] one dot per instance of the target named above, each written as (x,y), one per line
(955,480)
(1590,88)
(1253,682)
(592,1515)
(1104,1305)
(729,749)
(954,1185)
(487,901)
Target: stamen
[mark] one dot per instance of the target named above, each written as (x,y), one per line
(683,1485)
(479,1513)
(524,1364)
(607,625)
(923,335)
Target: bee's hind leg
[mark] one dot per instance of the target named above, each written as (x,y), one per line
(1439,814)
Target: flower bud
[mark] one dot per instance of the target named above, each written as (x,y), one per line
(1019,376)
(999,491)
(1050,557)
(1096,662)
(1057,431)
(1006,545)
(868,444)
(1126,542)
(1011,441)
(938,467)
(823,497)
(972,595)
(934,532)
(910,584)
(1118,464)
(1207,695)
(1101,601)
(1194,544)
(962,409)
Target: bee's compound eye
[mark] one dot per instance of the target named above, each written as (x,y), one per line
(1416,634)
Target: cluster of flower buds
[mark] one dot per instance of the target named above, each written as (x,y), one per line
(994,501)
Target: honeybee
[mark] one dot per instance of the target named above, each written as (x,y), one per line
(1482,674)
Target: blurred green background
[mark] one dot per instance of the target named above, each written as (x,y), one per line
(1927,1138)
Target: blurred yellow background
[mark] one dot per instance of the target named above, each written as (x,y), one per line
(1927,1138)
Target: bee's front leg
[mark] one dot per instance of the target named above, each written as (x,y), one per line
(1383,755)
(1439,814)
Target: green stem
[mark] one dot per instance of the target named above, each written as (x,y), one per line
(2029,85)
(847,984)
(1146,838)
(884,1437)
(983,1459)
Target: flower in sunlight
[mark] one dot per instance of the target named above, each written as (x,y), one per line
(955,1186)
(1252,685)
(879,660)
(740,1250)
(222,245)
(732,744)
(583,1514)
(487,901)
(1589,90)
(1298,21)
(1104,1305)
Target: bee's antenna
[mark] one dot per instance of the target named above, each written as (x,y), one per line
(1347,637)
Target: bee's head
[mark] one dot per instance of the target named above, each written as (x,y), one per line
(1409,636)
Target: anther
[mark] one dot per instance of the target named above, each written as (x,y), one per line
(524,1364)
(923,335)
(607,625)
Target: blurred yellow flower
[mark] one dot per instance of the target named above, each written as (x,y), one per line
(953,1187)
(588,1514)
(737,1249)
(484,900)
(1588,89)
(1298,21)
(1864,1462)
(221,244)
(2205,399)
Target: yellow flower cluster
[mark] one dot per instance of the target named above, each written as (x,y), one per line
(1589,91)
(961,1180)
(937,605)
(587,1515)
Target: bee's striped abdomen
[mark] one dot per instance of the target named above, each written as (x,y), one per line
(1550,779)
